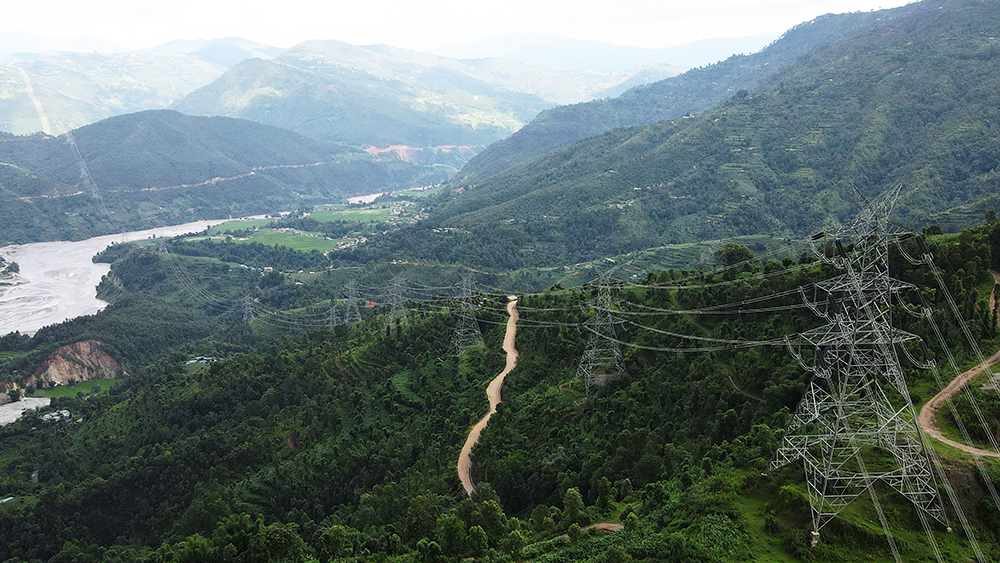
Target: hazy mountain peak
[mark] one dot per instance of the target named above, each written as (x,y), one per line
(567,53)
(226,51)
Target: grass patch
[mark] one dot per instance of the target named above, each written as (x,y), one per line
(87,387)
(239,225)
(351,215)
(305,243)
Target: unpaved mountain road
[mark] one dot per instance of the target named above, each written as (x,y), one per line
(493,394)
(929,412)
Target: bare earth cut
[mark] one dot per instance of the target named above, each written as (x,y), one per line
(493,394)
(928,413)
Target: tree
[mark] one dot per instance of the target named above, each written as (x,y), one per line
(574,532)
(338,541)
(731,255)
(631,522)
(476,541)
(573,507)
(451,533)
(605,494)
(513,543)
(616,554)
(538,516)
(430,551)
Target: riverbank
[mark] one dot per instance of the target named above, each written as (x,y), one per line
(10,412)
(58,280)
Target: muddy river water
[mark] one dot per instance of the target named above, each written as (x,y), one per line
(58,280)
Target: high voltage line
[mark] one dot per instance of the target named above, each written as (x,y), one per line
(856,354)
(846,412)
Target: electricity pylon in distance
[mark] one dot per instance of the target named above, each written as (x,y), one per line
(602,359)
(397,301)
(351,313)
(467,333)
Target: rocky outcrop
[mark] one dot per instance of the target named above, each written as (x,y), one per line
(76,362)
(81,361)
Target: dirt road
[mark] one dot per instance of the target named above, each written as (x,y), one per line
(928,413)
(493,394)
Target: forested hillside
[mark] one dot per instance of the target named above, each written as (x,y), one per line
(160,167)
(342,443)
(688,93)
(914,101)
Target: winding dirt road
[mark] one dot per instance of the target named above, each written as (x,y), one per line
(928,413)
(493,394)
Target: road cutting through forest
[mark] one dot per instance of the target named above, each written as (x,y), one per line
(928,413)
(493,394)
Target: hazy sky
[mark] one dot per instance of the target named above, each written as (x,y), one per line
(415,24)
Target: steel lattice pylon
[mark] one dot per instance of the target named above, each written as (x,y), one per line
(351,313)
(397,302)
(467,331)
(846,430)
(602,359)
(247,308)
(332,320)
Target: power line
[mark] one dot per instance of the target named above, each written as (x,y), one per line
(467,333)
(602,359)
(846,411)
(397,302)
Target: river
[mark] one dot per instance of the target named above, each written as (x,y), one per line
(58,280)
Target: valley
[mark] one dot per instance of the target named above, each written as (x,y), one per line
(251,297)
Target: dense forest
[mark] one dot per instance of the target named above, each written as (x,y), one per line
(341,443)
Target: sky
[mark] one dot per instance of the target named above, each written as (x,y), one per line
(414,24)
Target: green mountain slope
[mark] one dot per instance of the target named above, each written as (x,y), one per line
(691,92)
(342,443)
(912,101)
(384,95)
(157,167)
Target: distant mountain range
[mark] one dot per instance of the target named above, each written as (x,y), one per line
(689,93)
(162,167)
(907,95)
(225,52)
(381,95)
(55,91)
(366,96)
(566,53)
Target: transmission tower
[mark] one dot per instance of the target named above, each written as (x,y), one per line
(397,301)
(351,313)
(846,417)
(467,331)
(247,308)
(332,320)
(602,359)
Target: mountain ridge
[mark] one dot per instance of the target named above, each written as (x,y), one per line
(160,166)
(691,92)
(382,95)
